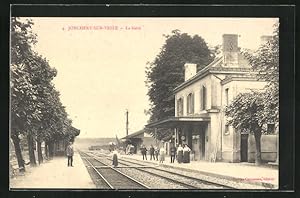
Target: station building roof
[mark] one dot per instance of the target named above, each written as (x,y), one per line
(173,122)
(138,134)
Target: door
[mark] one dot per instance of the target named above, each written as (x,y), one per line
(202,145)
(244,147)
(196,147)
(202,142)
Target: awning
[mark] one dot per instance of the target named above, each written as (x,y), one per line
(173,122)
(138,134)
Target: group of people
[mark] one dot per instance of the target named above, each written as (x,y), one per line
(182,154)
(154,153)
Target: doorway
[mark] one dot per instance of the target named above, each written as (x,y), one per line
(202,145)
(202,142)
(244,147)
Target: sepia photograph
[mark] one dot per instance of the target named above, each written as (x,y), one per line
(144,103)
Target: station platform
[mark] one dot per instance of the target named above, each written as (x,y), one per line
(55,174)
(249,173)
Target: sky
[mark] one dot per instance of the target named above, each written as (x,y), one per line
(101,69)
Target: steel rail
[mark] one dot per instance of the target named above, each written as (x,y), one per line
(99,174)
(185,176)
(107,166)
(160,176)
(174,173)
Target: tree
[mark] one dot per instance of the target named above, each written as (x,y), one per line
(167,72)
(31,78)
(57,125)
(42,75)
(246,113)
(23,95)
(36,110)
(250,112)
(266,62)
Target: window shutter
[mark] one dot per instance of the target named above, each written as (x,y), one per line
(192,101)
(182,102)
(204,98)
(178,107)
(200,98)
(188,104)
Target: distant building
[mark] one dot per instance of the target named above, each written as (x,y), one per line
(61,145)
(200,101)
(139,138)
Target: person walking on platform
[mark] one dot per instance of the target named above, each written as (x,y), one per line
(179,154)
(172,153)
(115,158)
(144,152)
(186,154)
(162,153)
(156,152)
(70,153)
(151,152)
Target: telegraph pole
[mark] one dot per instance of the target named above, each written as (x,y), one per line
(127,123)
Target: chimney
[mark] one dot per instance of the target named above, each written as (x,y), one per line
(265,39)
(230,50)
(190,70)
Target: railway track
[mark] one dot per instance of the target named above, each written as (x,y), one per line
(187,181)
(110,177)
(186,177)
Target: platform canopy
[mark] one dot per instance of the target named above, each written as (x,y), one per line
(138,134)
(173,122)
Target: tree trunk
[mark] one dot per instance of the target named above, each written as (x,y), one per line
(31,150)
(46,150)
(39,150)
(18,151)
(257,136)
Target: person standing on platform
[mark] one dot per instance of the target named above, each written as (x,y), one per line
(151,152)
(156,152)
(132,149)
(70,153)
(144,152)
(173,153)
(186,154)
(162,153)
(115,158)
(179,154)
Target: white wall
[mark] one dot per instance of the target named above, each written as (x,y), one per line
(195,88)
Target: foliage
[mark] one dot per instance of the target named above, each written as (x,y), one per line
(23,92)
(266,62)
(246,112)
(166,72)
(250,112)
(36,109)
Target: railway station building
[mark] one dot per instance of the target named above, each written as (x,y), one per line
(200,101)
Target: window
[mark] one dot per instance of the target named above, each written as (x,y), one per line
(203,98)
(180,107)
(226,131)
(226,96)
(190,103)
